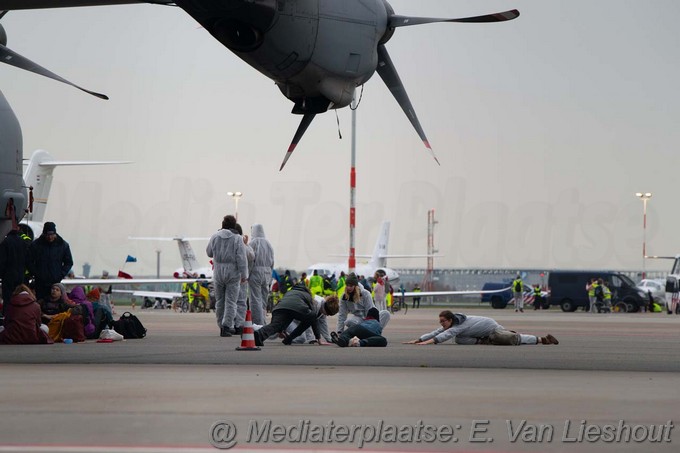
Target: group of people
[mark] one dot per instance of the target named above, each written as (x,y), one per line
(242,270)
(301,317)
(28,309)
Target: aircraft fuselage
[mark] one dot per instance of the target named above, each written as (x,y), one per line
(317,51)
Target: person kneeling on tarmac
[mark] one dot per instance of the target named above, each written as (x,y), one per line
(465,329)
(296,305)
(354,305)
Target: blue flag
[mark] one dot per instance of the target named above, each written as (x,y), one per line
(130,259)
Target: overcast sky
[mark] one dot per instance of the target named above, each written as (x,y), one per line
(545,128)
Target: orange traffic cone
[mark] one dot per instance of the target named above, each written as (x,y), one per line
(248,336)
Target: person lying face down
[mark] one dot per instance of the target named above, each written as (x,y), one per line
(463,329)
(368,333)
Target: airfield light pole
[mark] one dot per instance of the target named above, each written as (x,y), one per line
(158,263)
(644,197)
(351,265)
(236,196)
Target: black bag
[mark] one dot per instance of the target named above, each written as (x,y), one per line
(518,287)
(129,326)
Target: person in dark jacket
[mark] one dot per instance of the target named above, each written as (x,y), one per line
(296,305)
(368,333)
(49,260)
(22,325)
(13,255)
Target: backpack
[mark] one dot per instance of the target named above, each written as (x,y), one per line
(73,328)
(129,326)
(518,287)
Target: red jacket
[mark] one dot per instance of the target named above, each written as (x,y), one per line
(22,322)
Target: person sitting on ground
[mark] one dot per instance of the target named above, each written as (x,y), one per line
(77,295)
(57,302)
(354,305)
(365,334)
(467,330)
(296,304)
(325,306)
(103,318)
(23,322)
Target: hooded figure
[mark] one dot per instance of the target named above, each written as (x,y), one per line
(228,253)
(22,325)
(260,274)
(77,295)
(49,260)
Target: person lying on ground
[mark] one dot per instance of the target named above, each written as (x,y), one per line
(463,329)
(368,333)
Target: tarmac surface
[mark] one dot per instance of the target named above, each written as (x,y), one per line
(612,384)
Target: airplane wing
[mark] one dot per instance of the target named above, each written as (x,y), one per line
(152,294)
(127,281)
(447,293)
(8,5)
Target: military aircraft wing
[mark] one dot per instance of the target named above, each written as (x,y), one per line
(8,5)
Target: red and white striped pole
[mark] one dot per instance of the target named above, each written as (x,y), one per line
(644,197)
(351,265)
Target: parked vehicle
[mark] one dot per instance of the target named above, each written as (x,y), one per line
(567,289)
(502,299)
(656,287)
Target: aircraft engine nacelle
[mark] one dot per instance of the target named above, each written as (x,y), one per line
(317,51)
(11,168)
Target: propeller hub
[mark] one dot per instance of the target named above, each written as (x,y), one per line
(389,31)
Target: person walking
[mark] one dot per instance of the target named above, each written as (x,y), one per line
(49,260)
(261,274)
(231,269)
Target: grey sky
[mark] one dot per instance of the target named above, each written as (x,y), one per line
(545,127)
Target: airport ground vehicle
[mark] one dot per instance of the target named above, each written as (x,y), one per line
(656,287)
(567,289)
(497,300)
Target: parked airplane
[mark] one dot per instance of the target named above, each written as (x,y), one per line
(377,261)
(317,52)
(190,266)
(38,175)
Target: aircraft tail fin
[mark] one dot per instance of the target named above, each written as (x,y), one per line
(378,258)
(38,175)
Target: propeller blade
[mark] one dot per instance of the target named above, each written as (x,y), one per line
(302,128)
(12,58)
(403,21)
(388,73)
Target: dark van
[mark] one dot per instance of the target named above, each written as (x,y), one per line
(568,289)
(500,299)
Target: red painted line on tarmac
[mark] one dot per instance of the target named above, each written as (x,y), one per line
(58,448)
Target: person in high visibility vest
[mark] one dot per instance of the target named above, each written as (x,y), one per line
(416,300)
(538,297)
(607,297)
(316,284)
(590,287)
(518,293)
(340,289)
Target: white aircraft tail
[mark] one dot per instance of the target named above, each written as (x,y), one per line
(379,257)
(186,252)
(38,175)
